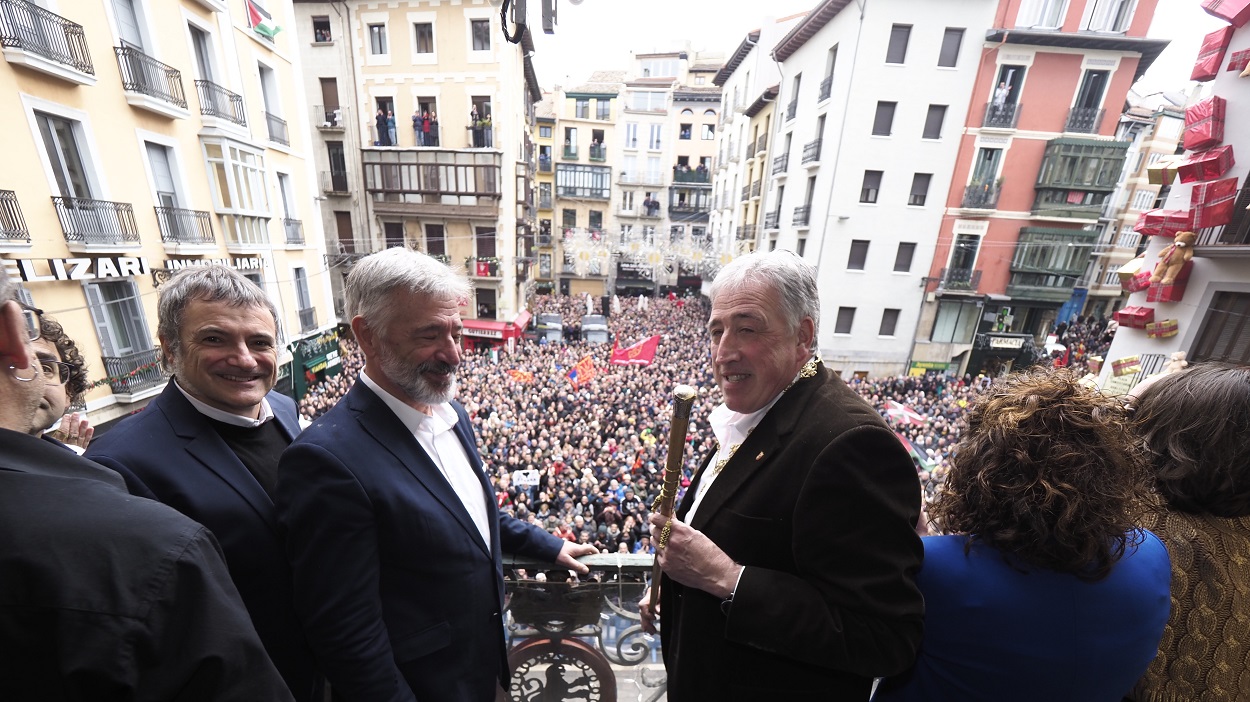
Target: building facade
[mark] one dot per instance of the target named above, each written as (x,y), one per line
(144,137)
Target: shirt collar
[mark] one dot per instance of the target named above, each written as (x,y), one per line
(443,417)
(238,420)
(731,428)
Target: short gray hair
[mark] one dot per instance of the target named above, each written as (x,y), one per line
(212,283)
(368,287)
(793,278)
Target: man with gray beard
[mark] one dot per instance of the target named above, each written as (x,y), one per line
(392,529)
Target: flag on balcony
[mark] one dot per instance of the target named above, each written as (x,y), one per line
(640,354)
(261,21)
(903,414)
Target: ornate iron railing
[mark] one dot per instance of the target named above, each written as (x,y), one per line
(294,231)
(134,372)
(12,223)
(181,226)
(981,197)
(277,129)
(1086,120)
(781,163)
(87,221)
(216,101)
(802,214)
(307,319)
(143,74)
(960,279)
(826,87)
(26,26)
(1001,116)
(811,151)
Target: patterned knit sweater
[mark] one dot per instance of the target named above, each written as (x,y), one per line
(1204,655)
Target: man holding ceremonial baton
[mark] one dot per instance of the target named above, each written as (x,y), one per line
(789,566)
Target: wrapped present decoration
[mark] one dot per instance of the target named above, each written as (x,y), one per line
(1211,54)
(1164,222)
(1204,123)
(1239,60)
(1094,364)
(1206,165)
(1135,316)
(1162,329)
(1131,269)
(1137,283)
(1212,202)
(1235,12)
(1163,171)
(1173,292)
(1126,366)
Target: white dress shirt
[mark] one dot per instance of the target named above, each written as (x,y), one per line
(238,420)
(731,429)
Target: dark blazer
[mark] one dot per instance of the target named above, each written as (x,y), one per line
(170,452)
(400,597)
(107,596)
(819,504)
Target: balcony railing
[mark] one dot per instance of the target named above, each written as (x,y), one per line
(12,223)
(1001,116)
(771,220)
(143,74)
(826,88)
(134,372)
(760,143)
(691,175)
(802,214)
(1085,120)
(482,267)
(746,232)
(307,319)
(811,151)
(329,118)
(277,129)
(481,137)
(544,164)
(598,152)
(97,222)
(981,197)
(544,203)
(756,188)
(26,26)
(570,153)
(181,226)
(334,182)
(689,208)
(638,178)
(960,279)
(216,101)
(792,109)
(294,231)
(746,192)
(781,163)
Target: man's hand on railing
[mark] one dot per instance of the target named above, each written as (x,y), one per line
(649,616)
(570,552)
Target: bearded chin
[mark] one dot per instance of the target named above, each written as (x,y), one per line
(414,384)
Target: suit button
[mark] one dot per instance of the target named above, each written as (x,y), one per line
(494,615)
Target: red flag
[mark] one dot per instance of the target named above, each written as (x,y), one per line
(521,376)
(583,372)
(903,414)
(640,354)
(482,269)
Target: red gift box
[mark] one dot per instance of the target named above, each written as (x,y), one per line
(1164,222)
(1135,316)
(1239,60)
(1211,54)
(1235,12)
(1207,165)
(1212,202)
(1204,124)
(1174,292)
(1137,283)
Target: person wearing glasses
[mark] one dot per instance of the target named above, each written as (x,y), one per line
(106,596)
(65,385)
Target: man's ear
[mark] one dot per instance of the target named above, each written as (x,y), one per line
(807,333)
(14,340)
(365,335)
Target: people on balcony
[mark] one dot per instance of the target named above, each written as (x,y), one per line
(390,128)
(384,135)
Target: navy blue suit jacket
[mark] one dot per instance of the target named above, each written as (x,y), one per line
(170,452)
(400,596)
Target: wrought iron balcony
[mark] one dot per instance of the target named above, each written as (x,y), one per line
(746,192)
(28,27)
(756,187)
(307,319)
(1085,120)
(811,151)
(135,372)
(826,88)
(760,143)
(691,175)
(334,182)
(1001,116)
(981,196)
(598,152)
(570,153)
(638,178)
(330,119)
(181,226)
(277,129)
(802,214)
(746,232)
(12,223)
(544,202)
(960,279)
(544,164)
(216,101)
(781,164)
(145,75)
(96,222)
(792,109)
(771,219)
(294,231)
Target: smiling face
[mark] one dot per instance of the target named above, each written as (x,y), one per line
(226,357)
(54,401)
(755,353)
(415,356)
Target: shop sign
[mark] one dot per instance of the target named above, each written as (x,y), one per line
(39,270)
(485,333)
(1006,342)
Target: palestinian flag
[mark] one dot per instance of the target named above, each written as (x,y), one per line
(260,20)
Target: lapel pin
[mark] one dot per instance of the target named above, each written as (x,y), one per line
(760,457)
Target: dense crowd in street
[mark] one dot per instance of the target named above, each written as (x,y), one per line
(598,448)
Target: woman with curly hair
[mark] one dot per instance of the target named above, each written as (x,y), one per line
(1193,427)
(1042,589)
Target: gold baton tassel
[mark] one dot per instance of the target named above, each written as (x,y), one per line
(683,401)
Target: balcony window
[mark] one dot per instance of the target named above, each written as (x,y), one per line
(145,75)
(239,191)
(684,131)
(578,181)
(1225,334)
(12,223)
(951,41)
(216,101)
(47,41)
(322,32)
(900,35)
(124,339)
(871,186)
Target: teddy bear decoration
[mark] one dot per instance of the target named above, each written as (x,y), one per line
(1173,258)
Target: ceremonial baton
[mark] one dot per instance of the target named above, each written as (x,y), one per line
(683,400)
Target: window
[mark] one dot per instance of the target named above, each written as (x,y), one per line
(544,132)
(884,119)
(846,317)
(377,39)
(709,113)
(308,315)
(919,189)
(963,258)
(423,37)
(872,184)
(955,322)
(1108,15)
(1093,85)
(646,101)
(435,240)
(1042,14)
(631,135)
(660,68)
(684,131)
(569,220)
(709,132)
(951,40)
(1143,199)
(889,321)
(1225,334)
(239,192)
(480,29)
(61,144)
(896,52)
(603,109)
(321,29)
(345,233)
(581,107)
(933,121)
(596,219)
(902,259)
(800,246)
(858,256)
(592,182)
(484,238)
(653,140)
(118,317)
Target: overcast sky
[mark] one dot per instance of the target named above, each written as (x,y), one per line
(600,34)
